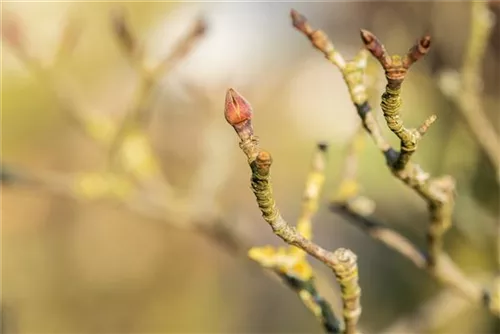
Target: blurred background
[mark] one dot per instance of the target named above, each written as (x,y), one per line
(74,261)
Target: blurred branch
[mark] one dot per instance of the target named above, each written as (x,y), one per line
(437,192)
(441,309)
(465,88)
(13,34)
(117,189)
(182,48)
(342,262)
(68,41)
(349,203)
(215,229)
(148,77)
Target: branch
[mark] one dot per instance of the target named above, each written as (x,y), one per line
(437,192)
(353,73)
(312,191)
(396,68)
(465,90)
(349,203)
(291,262)
(238,114)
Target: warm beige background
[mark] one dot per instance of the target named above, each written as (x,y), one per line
(69,267)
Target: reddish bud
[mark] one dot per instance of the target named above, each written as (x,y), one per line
(237,109)
(376,48)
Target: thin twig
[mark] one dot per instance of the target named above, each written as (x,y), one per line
(291,262)
(437,192)
(238,113)
(312,190)
(349,203)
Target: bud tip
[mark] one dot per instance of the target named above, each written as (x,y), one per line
(237,109)
(366,36)
(426,41)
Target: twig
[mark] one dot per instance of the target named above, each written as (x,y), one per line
(314,302)
(291,262)
(349,203)
(379,232)
(353,74)
(238,113)
(437,192)
(312,191)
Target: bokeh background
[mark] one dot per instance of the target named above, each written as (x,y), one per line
(87,266)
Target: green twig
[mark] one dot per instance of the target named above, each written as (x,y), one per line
(238,113)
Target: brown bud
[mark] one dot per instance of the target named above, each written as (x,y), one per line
(237,110)
(367,36)
(419,50)
(376,48)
